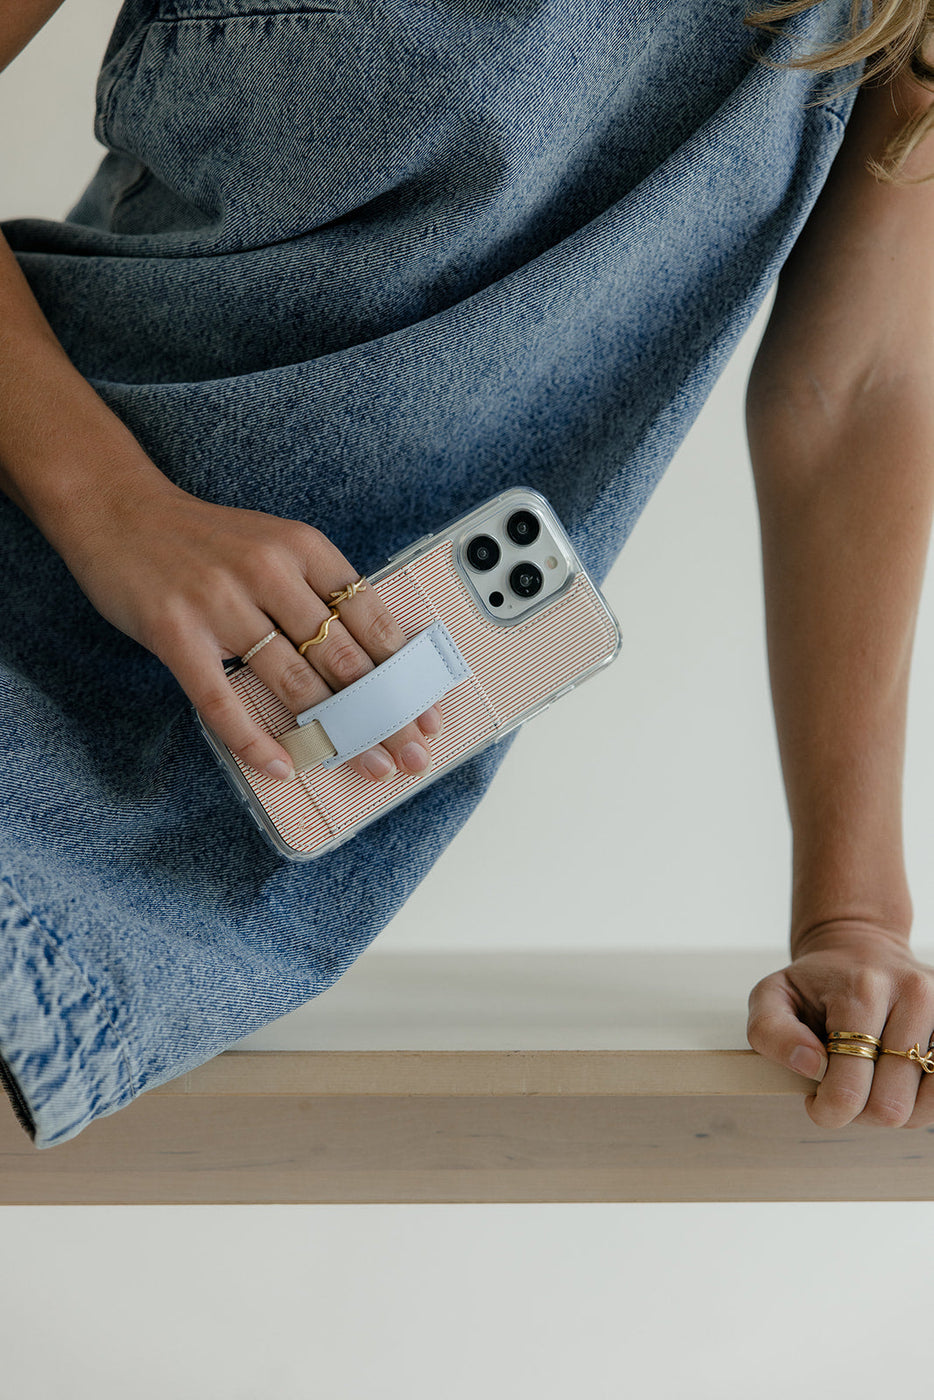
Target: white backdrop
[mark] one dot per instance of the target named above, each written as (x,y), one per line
(663,827)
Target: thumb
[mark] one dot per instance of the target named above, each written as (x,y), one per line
(774,1030)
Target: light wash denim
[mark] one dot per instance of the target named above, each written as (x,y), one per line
(363,264)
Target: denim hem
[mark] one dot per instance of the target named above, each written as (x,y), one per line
(18,1104)
(62,1061)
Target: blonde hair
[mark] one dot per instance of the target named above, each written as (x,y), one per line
(894,37)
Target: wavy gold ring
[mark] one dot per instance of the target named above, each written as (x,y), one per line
(338,595)
(322,633)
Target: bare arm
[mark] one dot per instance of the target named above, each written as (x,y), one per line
(62,450)
(192,581)
(20,21)
(840,418)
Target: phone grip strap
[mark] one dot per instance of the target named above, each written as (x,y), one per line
(379,703)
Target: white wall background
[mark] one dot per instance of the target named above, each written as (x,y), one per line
(673,815)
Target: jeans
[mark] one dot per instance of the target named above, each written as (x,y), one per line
(363,264)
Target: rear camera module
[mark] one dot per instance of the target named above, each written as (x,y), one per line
(526,580)
(482,552)
(523,527)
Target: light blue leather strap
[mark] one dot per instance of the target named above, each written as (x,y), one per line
(380,703)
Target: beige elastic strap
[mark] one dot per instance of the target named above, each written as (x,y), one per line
(307,746)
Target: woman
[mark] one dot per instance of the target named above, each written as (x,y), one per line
(366,266)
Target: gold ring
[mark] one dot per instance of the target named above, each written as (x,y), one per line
(869,1047)
(925,1061)
(341,595)
(322,633)
(865,1047)
(248,655)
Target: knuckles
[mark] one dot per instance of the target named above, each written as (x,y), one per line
(298,684)
(917,987)
(759,1033)
(343,659)
(248,748)
(265,567)
(382,634)
(867,985)
(214,703)
(755,1034)
(307,543)
(886,1113)
(165,632)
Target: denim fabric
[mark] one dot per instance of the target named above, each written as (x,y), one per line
(364,264)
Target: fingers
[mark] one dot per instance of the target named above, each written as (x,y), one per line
(299,685)
(366,618)
(891,1091)
(252,573)
(775,1030)
(195,660)
(337,661)
(363,635)
(902,1094)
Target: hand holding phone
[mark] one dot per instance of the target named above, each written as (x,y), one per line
(196,582)
(500,617)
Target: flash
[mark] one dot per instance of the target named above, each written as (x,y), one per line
(551,562)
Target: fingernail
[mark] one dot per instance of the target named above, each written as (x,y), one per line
(807,1062)
(378,763)
(277,768)
(430,722)
(415,758)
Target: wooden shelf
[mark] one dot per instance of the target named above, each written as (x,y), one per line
(486,1077)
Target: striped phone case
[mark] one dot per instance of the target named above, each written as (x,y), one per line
(518,667)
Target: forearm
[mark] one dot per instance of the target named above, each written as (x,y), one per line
(63,452)
(191,581)
(841,435)
(845,497)
(19,23)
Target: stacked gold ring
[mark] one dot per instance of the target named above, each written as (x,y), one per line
(339,595)
(853,1043)
(869,1047)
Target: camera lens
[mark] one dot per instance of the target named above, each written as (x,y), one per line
(523,527)
(526,580)
(483,552)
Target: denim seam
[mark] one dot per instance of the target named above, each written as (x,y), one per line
(125,64)
(280,12)
(830,111)
(53,942)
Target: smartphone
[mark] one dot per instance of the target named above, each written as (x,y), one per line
(527,625)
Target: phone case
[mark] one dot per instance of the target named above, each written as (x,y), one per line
(519,670)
